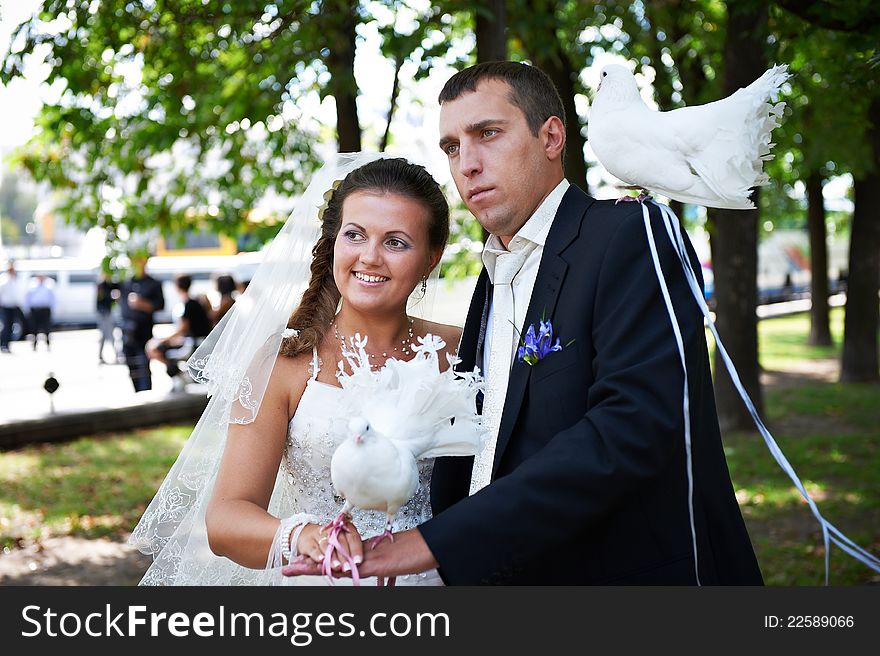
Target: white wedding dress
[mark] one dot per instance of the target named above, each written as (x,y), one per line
(303,485)
(315,431)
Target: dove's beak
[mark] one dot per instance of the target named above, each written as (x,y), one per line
(358,439)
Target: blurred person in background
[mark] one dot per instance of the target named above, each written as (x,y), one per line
(140,296)
(105,296)
(9,305)
(193,325)
(228,289)
(40,302)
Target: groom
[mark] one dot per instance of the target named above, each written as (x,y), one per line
(584,478)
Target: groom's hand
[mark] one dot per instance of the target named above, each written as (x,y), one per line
(408,554)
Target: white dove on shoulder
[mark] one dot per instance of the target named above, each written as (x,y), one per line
(710,155)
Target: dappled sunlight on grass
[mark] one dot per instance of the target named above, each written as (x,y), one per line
(783,340)
(771,498)
(91,487)
(830,433)
(841,473)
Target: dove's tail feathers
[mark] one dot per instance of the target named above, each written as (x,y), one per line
(706,200)
(767,86)
(734,162)
(460,439)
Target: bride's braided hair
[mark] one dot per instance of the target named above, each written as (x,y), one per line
(315,312)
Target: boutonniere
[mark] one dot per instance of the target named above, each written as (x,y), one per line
(538,344)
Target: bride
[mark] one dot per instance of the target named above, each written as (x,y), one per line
(251,488)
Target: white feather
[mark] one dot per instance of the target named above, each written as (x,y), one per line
(406,411)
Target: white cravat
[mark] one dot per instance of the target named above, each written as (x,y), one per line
(506,316)
(507,265)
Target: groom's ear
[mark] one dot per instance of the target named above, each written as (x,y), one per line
(552,135)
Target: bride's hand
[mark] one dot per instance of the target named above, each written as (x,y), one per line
(313,542)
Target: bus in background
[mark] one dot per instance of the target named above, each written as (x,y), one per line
(202,256)
(75,282)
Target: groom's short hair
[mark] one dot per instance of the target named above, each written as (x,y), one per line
(531,89)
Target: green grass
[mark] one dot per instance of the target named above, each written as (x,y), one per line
(783,340)
(832,440)
(91,487)
(830,433)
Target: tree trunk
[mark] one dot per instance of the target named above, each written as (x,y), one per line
(734,239)
(342,86)
(491,31)
(546,51)
(820,332)
(859,362)
(395,91)
(558,66)
(491,34)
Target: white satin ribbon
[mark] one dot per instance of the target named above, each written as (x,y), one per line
(830,533)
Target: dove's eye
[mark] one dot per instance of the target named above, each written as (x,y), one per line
(604,74)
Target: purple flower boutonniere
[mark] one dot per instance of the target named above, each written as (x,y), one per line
(537,345)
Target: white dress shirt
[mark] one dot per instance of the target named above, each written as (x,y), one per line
(532,235)
(513,273)
(9,296)
(40,295)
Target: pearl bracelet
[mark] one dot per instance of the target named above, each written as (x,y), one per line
(289,533)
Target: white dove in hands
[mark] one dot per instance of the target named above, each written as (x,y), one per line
(709,155)
(408,411)
(373,472)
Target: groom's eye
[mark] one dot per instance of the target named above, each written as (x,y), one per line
(450,149)
(491,132)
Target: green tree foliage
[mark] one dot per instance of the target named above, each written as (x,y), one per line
(179,113)
(172,112)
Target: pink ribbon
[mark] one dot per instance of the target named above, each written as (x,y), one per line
(336,527)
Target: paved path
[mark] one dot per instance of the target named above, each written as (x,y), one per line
(68,560)
(85,384)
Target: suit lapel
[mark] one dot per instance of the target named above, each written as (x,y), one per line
(474,334)
(551,274)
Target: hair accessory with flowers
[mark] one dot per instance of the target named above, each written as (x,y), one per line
(537,345)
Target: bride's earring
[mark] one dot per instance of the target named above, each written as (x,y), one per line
(423,289)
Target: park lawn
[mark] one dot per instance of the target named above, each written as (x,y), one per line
(830,433)
(92,487)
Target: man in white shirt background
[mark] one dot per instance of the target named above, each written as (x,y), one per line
(40,302)
(10,303)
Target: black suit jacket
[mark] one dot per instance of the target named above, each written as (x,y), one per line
(589,480)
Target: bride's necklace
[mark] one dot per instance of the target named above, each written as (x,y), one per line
(405,347)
